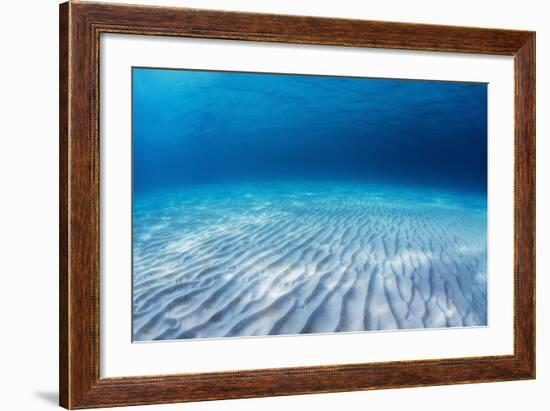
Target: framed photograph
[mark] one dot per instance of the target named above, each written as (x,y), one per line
(260,205)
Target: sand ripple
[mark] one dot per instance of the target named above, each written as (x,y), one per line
(248,262)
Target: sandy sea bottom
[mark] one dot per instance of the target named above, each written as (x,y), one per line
(251,260)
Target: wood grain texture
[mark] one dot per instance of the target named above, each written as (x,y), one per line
(80,27)
(63,204)
(525,203)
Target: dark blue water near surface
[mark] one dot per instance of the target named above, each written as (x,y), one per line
(200,127)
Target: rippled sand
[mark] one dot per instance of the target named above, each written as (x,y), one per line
(228,261)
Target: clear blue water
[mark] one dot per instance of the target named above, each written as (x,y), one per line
(284,204)
(194,127)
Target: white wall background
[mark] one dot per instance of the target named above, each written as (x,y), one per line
(28,204)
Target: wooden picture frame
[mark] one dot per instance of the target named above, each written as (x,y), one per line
(81,24)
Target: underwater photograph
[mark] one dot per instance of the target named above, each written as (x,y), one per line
(282,204)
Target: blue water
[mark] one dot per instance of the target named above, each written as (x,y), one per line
(285,204)
(194,127)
